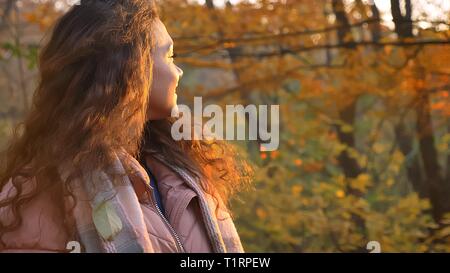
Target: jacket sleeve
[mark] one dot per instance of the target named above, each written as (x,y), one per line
(42,228)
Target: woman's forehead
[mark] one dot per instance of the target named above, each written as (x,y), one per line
(161,36)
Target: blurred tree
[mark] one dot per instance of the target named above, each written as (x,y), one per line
(347,89)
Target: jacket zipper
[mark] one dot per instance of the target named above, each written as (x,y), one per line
(174,234)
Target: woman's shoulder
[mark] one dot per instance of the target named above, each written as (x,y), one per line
(42,224)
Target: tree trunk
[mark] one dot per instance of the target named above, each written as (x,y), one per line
(348,164)
(403,23)
(432,183)
(438,189)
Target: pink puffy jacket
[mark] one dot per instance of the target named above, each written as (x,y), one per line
(188,226)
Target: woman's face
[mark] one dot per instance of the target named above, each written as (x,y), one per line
(166,75)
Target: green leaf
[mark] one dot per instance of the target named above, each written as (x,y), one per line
(106,221)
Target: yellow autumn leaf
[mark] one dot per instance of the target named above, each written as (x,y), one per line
(361,183)
(346,128)
(379,148)
(261,213)
(340,194)
(296,190)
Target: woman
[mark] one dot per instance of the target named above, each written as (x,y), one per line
(94,165)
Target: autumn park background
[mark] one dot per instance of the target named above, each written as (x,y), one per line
(363,88)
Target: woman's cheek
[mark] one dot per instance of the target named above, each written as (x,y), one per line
(170,84)
(163,97)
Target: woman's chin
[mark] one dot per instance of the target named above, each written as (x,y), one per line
(174,111)
(175,99)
